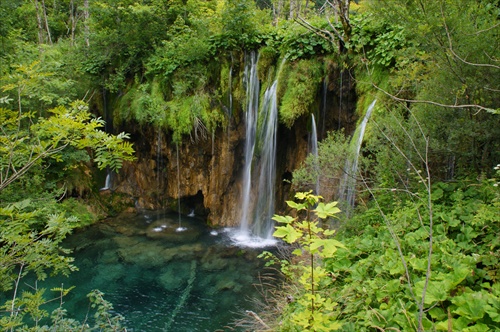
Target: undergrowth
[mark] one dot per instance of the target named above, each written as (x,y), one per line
(382,270)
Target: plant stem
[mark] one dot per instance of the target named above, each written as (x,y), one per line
(15,292)
(312,264)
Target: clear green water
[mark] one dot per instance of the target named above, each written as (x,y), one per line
(160,279)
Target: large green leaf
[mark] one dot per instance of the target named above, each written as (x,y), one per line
(471,305)
(288,233)
(326,210)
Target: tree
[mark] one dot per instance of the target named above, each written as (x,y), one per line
(444,69)
(31,232)
(311,308)
(28,141)
(334,11)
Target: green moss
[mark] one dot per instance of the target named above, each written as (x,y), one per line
(80,210)
(143,103)
(267,62)
(300,89)
(366,86)
(192,115)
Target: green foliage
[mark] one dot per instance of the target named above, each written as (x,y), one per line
(75,127)
(104,320)
(34,144)
(33,87)
(376,289)
(185,47)
(439,59)
(31,242)
(312,309)
(122,35)
(297,42)
(29,311)
(186,115)
(29,141)
(240,23)
(328,167)
(302,83)
(376,40)
(268,57)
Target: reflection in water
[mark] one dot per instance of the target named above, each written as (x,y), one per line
(160,279)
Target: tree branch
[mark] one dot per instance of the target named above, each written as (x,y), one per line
(455,54)
(430,102)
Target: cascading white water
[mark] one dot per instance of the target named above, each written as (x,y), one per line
(348,184)
(252,106)
(313,149)
(107,181)
(264,210)
(259,173)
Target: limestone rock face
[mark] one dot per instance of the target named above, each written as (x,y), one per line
(200,173)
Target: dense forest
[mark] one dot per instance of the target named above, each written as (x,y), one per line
(91,87)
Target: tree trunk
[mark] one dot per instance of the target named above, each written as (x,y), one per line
(39,23)
(72,19)
(343,6)
(44,11)
(86,17)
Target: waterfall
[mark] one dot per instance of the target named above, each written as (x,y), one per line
(252,103)
(180,228)
(259,172)
(264,211)
(348,182)
(313,149)
(107,181)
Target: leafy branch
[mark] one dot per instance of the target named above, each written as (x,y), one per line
(73,126)
(312,311)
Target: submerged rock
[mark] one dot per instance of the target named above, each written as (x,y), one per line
(174,276)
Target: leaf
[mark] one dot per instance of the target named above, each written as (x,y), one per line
(288,233)
(296,206)
(283,219)
(435,292)
(326,210)
(329,246)
(472,306)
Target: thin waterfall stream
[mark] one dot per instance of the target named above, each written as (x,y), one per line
(313,150)
(347,190)
(179,228)
(252,103)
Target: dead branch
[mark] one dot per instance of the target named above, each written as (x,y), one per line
(257,318)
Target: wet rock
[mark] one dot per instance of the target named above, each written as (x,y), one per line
(174,276)
(214,263)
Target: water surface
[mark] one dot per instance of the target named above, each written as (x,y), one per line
(162,279)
